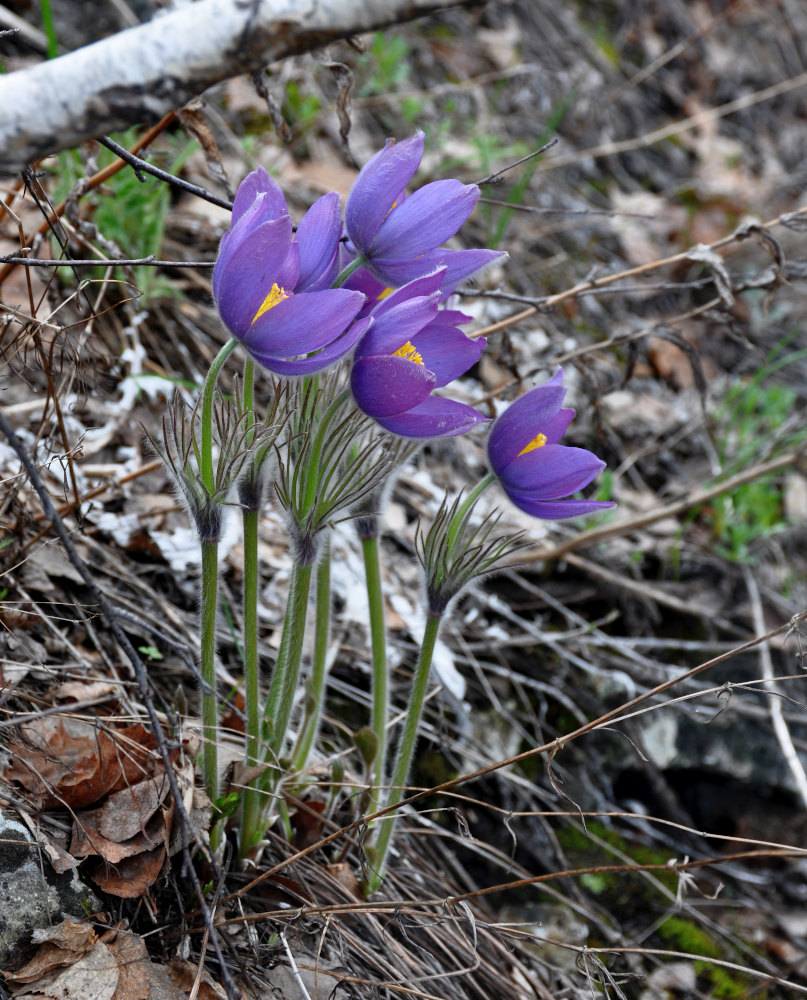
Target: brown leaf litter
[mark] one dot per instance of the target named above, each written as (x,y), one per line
(72,961)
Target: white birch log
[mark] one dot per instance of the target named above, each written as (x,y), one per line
(140,74)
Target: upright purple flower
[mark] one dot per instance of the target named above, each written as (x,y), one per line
(272,290)
(411,349)
(534,470)
(401,237)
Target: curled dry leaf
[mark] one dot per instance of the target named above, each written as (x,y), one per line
(94,976)
(184,975)
(72,963)
(71,762)
(129,837)
(59,946)
(131,877)
(140,978)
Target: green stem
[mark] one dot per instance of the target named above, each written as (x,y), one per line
(316,694)
(346,272)
(280,702)
(207,646)
(251,797)
(206,457)
(406,748)
(313,472)
(466,505)
(380,712)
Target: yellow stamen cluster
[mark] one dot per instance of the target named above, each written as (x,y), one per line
(537,442)
(274,297)
(409,352)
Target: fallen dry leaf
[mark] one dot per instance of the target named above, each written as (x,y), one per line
(124,814)
(88,839)
(58,946)
(93,976)
(183,974)
(140,978)
(131,877)
(67,761)
(129,837)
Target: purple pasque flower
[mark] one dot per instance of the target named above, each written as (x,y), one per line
(534,470)
(411,349)
(401,236)
(272,289)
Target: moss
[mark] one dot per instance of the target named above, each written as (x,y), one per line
(684,935)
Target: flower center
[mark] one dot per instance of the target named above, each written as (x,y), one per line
(274,297)
(537,442)
(409,352)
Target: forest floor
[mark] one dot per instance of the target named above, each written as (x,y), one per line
(645,664)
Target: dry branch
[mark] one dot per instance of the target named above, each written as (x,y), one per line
(140,74)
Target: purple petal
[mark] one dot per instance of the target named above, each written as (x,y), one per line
(327,356)
(318,238)
(425,220)
(558,509)
(303,323)
(523,420)
(251,187)
(425,284)
(244,276)
(552,471)
(436,417)
(241,232)
(367,283)
(446,351)
(453,317)
(396,273)
(385,386)
(558,425)
(461,265)
(394,327)
(378,185)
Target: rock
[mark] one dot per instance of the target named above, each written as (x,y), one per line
(32,894)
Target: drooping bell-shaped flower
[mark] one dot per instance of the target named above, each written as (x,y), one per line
(401,237)
(534,470)
(272,289)
(411,349)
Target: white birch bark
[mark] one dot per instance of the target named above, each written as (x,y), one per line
(140,74)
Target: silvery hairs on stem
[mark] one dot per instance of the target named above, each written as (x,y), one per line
(179,448)
(455,552)
(322,478)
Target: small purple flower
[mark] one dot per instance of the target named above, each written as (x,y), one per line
(411,349)
(272,289)
(400,236)
(534,470)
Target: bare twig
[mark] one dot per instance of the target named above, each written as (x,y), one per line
(140,164)
(780,729)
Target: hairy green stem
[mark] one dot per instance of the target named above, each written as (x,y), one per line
(406,748)
(378,637)
(206,456)
(251,796)
(280,702)
(316,693)
(207,647)
(250,800)
(313,472)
